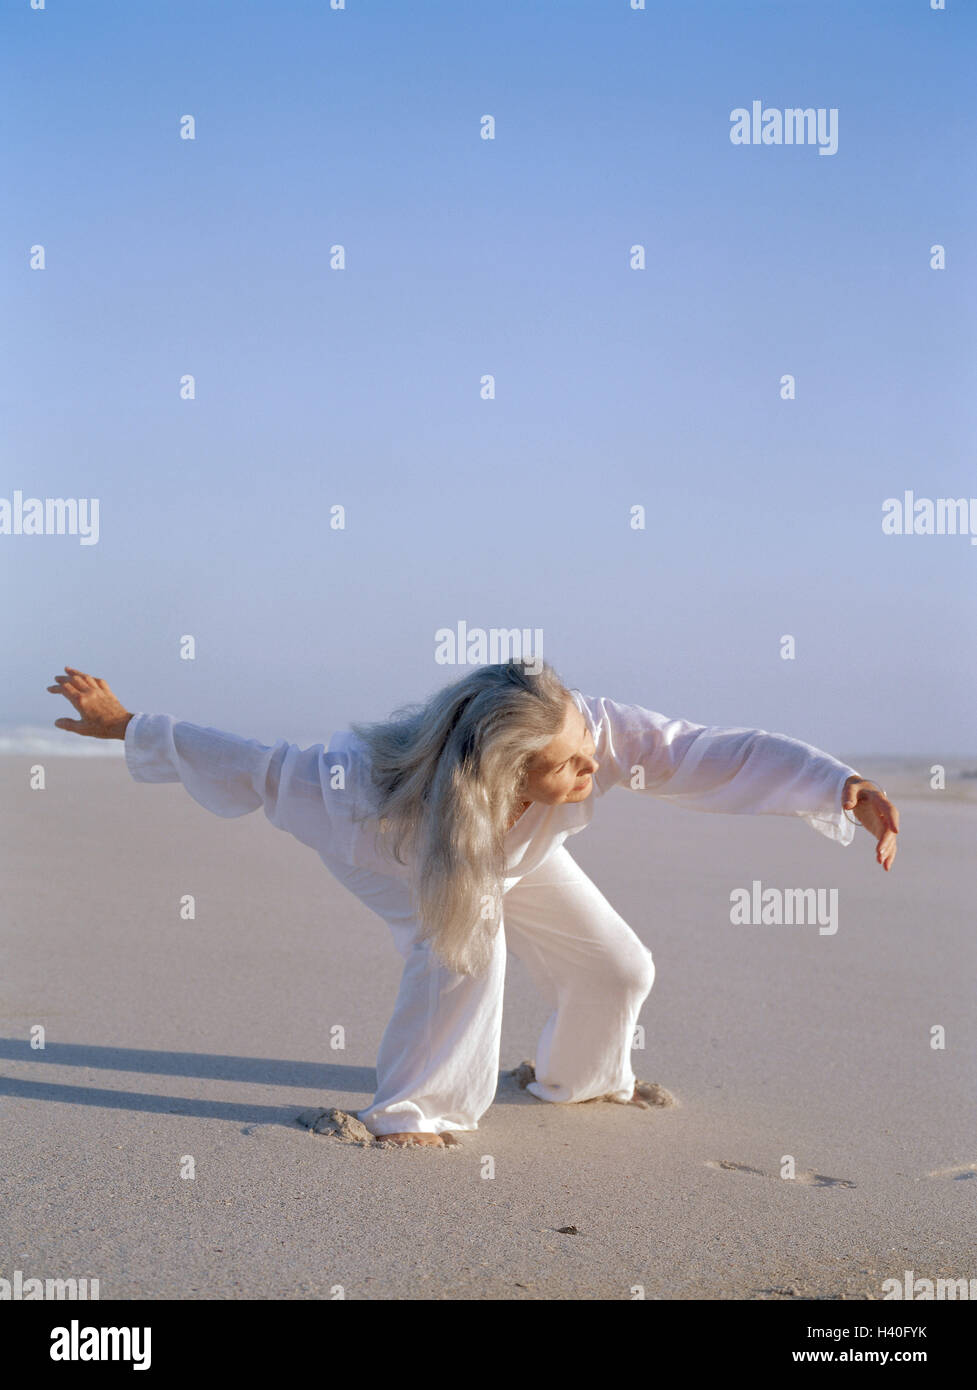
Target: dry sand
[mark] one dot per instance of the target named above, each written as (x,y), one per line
(208,1038)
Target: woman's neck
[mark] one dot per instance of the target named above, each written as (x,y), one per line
(513,818)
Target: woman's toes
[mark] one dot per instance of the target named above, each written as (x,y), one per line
(412,1139)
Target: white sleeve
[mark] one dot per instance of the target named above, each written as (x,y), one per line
(302,791)
(738,771)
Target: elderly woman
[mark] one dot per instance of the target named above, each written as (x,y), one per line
(449,821)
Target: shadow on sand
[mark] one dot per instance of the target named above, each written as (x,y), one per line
(328,1079)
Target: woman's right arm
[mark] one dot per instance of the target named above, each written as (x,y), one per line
(301,791)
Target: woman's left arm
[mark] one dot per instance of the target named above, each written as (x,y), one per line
(738,771)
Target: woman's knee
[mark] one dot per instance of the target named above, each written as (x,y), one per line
(629,971)
(648,973)
(643,971)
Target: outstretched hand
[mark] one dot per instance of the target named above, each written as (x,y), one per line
(102,716)
(872,808)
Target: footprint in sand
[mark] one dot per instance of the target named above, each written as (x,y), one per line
(735,1167)
(958,1174)
(805,1177)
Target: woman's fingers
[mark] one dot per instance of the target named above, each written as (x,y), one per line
(102,715)
(81,678)
(878,815)
(886,847)
(889,826)
(66,689)
(77,684)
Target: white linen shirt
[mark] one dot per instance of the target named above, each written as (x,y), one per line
(321,794)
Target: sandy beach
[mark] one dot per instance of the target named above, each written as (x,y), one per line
(168,1038)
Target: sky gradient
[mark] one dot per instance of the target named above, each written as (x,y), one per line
(465,257)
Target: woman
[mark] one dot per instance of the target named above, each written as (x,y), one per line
(449,821)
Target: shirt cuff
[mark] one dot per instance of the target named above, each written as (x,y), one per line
(832,821)
(148,740)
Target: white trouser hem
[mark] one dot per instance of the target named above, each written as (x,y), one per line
(379,1125)
(563,1095)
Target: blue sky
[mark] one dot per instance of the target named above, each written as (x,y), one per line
(464,256)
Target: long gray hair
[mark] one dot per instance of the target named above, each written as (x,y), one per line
(449,774)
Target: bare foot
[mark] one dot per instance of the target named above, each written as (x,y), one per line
(412,1137)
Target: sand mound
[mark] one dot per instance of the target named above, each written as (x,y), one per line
(336,1122)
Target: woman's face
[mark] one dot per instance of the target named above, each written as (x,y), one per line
(563,770)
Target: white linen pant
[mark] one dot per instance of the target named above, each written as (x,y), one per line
(438,1062)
